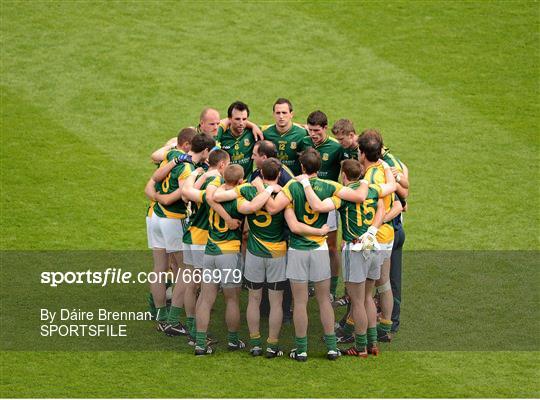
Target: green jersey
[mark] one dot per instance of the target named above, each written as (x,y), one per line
(288,144)
(221,239)
(295,193)
(178,210)
(197,229)
(356,218)
(331,154)
(239,148)
(351,153)
(266,232)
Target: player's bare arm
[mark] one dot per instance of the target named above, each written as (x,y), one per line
(221,194)
(159,155)
(276,205)
(378,219)
(189,192)
(150,190)
(402,180)
(161,173)
(300,228)
(390,185)
(396,209)
(316,204)
(249,207)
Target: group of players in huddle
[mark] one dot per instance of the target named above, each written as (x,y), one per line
(291,183)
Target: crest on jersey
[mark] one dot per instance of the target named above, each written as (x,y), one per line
(325,156)
(236,147)
(293,145)
(246,142)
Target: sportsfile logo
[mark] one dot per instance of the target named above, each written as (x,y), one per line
(117,276)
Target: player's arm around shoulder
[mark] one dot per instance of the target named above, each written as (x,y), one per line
(189,192)
(221,194)
(163,171)
(300,228)
(159,155)
(249,207)
(402,180)
(389,186)
(396,209)
(314,201)
(282,200)
(231,222)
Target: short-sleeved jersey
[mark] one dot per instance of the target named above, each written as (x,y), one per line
(197,229)
(356,218)
(331,155)
(239,148)
(295,193)
(221,239)
(375,174)
(351,153)
(288,144)
(170,184)
(266,232)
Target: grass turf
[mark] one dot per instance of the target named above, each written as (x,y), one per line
(88,90)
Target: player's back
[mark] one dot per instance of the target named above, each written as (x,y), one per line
(356,218)
(266,232)
(221,239)
(305,214)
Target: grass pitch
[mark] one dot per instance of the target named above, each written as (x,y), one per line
(88,90)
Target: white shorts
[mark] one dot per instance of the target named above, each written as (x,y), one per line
(194,254)
(357,265)
(149,231)
(166,233)
(385,251)
(332,220)
(224,269)
(258,269)
(308,265)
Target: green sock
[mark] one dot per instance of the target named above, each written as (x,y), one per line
(193,330)
(201,339)
(151,306)
(232,337)
(161,314)
(272,343)
(333,285)
(301,344)
(360,341)
(174,315)
(372,335)
(255,340)
(330,341)
(189,323)
(385,325)
(348,329)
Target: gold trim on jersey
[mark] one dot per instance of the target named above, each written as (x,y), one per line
(227,245)
(198,235)
(277,249)
(317,239)
(170,214)
(151,209)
